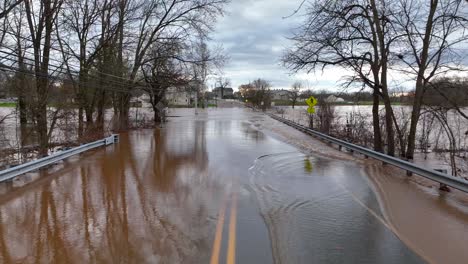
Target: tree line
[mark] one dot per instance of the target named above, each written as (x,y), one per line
(97,54)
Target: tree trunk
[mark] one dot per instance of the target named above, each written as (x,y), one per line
(80,122)
(420,85)
(123,111)
(379,28)
(21,87)
(415,113)
(41,117)
(376,123)
(100,110)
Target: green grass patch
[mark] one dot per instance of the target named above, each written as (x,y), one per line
(288,102)
(7,104)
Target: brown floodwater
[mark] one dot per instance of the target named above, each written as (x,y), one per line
(206,189)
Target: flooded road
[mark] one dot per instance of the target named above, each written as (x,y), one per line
(210,189)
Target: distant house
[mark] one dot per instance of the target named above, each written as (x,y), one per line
(334,99)
(180,96)
(222,92)
(280,94)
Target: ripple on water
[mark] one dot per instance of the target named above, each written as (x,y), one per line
(310,216)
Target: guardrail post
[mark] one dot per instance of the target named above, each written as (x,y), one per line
(408,173)
(443,187)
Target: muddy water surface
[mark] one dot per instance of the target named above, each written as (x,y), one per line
(213,188)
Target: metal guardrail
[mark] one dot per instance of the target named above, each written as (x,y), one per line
(442,178)
(13,172)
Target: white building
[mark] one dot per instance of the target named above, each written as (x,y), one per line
(180,96)
(280,95)
(334,99)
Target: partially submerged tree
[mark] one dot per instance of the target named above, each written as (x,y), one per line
(434,32)
(344,34)
(41,18)
(163,71)
(370,37)
(262,97)
(156,21)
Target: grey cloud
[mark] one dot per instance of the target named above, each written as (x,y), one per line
(254,35)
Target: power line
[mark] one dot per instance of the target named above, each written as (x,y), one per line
(67,71)
(61,69)
(62,52)
(49,77)
(29,73)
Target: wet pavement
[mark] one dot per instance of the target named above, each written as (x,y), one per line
(210,189)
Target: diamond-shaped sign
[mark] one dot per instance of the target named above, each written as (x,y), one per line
(311,102)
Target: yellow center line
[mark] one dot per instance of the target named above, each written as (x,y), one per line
(231,254)
(219,232)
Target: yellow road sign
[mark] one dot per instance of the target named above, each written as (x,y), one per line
(311,102)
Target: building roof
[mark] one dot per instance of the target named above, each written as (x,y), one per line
(225,89)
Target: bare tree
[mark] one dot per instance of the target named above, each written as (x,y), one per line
(433,32)
(41,27)
(295,92)
(82,41)
(222,83)
(262,96)
(7,6)
(162,72)
(158,20)
(345,34)
(17,30)
(205,61)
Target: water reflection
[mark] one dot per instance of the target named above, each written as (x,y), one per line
(147,200)
(312,215)
(251,133)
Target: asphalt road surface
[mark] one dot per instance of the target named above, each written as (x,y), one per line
(210,189)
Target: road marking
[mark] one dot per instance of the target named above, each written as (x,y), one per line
(219,232)
(372,212)
(231,254)
(386,224)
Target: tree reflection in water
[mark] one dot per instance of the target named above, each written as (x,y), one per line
(147,199)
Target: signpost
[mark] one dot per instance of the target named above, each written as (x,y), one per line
(311,102)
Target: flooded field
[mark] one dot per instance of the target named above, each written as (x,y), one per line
(435,137)
(402,113)
(204,189)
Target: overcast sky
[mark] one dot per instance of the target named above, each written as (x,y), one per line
(254,35)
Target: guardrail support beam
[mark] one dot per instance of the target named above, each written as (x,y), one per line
(444,179)
(13,172)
